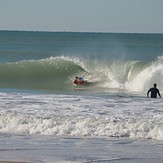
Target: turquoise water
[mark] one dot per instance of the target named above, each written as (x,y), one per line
(49,61)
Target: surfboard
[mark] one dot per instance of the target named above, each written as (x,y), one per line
(85,86)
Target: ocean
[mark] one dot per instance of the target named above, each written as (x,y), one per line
(45,118)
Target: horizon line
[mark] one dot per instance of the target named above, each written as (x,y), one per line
(63,31)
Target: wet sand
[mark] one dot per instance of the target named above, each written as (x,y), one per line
(11,162)
(34,148)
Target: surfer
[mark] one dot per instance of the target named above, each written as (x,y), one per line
(79,80)
(82,81)
(154,91)
(76,81)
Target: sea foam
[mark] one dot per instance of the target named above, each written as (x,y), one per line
(70,115)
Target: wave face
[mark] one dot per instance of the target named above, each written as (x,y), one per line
(51,73)
(57,73)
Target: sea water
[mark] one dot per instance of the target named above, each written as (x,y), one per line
(45,118)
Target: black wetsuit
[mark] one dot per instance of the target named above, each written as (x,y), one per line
(154,92)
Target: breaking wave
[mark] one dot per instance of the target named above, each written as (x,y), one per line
(57,73)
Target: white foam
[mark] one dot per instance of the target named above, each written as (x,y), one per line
(147,77)
(131,76)
(81,115)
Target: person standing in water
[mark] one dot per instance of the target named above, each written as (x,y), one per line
(154,91)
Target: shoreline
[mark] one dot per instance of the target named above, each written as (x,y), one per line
(28,149)
(12,162)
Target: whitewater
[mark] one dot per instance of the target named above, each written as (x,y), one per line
(69,115)
(80,128)
(45,118)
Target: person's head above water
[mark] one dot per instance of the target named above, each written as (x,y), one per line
(155,85)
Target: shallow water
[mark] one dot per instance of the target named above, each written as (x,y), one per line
(54,149)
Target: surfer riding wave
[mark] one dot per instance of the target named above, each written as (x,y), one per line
(79,81)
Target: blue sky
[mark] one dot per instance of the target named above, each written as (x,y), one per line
(133,16)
